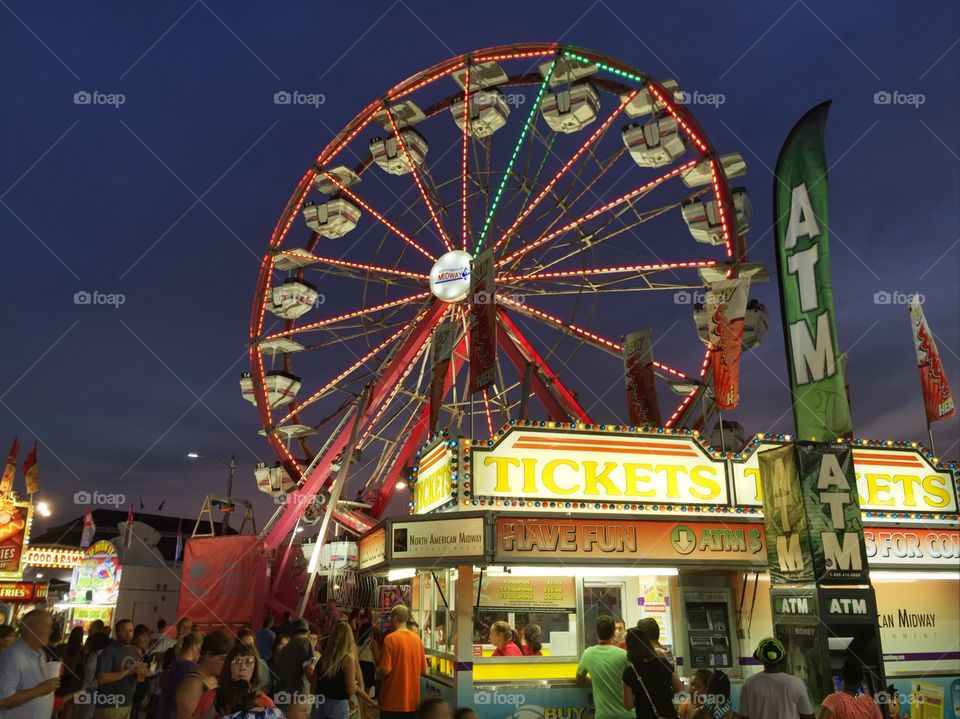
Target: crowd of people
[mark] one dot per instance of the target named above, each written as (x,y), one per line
(345,669)
(348,669)
(632,675)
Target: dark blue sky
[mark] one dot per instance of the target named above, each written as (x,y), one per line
(170,198)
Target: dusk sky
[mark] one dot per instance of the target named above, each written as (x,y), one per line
(169,199)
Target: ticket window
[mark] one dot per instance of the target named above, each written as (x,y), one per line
(709,634)
(547,602)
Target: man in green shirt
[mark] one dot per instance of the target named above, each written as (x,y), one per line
(601,667)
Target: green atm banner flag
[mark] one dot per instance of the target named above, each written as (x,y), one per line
(784,519)
(829,486)
(820,406)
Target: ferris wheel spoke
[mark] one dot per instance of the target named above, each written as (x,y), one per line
(386,271)
(531,115)
(637,192)
(589,272)
(380,218)
(327,388)
(686,408)
(560,402)
(416,178)
(346,316)
(464,213)
(592,338)
(597,134)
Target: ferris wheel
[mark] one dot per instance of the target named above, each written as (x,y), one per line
(470,250)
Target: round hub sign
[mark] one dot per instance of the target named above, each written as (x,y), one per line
(450,276)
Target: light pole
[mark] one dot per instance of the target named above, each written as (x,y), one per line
(232,467)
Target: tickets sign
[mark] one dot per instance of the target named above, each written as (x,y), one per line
(888,480)
(434,485)
(603,467)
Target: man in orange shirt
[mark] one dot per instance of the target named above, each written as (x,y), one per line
(402,661)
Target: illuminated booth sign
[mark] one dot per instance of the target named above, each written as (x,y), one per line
(888,479)
(14,536)
(548,466)
(97,579)
(599,467)
(24,592)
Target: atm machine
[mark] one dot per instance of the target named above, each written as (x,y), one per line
(820,627)
(710,628)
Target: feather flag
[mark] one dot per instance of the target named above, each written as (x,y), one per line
(89,529)
(937,400)
(178,553)
(30,473)
(10,471)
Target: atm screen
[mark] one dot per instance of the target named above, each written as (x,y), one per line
(698,619)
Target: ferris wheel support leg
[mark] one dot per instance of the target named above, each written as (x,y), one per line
(417,436)
(319,474)
(558,400)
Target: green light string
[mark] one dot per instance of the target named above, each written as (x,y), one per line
(607,68)
(513,158)
(536,177)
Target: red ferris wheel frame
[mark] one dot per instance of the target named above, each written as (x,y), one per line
(559,401)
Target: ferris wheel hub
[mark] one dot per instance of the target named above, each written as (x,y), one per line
(450,276)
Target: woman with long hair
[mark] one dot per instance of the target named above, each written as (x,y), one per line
(337,676)
(532,645)
(368,652)
(504,640)
(850,702)
(240,665)
(71,680)
(96,643)
(649,681)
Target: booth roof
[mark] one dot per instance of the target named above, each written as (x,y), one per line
(107,521)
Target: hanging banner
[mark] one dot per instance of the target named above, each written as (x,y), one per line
(889,479)
(937,400)
(14,537)
(833,513)
(442,352)
(483,323)
(820,406)
(785,523)
(642,406)
(726,307)
(216,580)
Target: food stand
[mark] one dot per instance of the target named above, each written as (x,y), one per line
(554,524)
